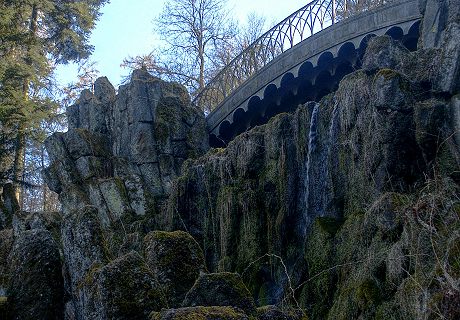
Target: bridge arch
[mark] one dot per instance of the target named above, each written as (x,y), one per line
(396,33)
(312,68)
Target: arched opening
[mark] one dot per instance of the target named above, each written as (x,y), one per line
(325,59)
(410,40)
(342,70)
(270,92)
(238,115)
(216,142)
(306,71)
(347,51)
(395,32)
(224,131)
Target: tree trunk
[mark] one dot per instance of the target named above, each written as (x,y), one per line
(20,145)
(45,204)
(19,164)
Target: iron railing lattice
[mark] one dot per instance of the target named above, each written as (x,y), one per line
(300,25)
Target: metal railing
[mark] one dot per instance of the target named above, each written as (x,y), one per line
(300,25)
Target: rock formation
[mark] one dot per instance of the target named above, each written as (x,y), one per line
(347,208)
(122,152)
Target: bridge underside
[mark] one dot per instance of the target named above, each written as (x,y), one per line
(311,84)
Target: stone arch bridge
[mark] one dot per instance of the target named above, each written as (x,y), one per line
(301,59)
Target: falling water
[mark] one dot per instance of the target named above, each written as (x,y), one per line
(312,141)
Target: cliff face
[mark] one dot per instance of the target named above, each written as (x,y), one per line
(335,196)
(345,209)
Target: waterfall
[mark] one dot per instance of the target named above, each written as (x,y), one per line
(312,141)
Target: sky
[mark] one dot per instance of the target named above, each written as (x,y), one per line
(126,29)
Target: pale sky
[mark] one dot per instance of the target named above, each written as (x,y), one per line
(126,29)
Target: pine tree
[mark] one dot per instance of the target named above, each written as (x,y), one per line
(35,36)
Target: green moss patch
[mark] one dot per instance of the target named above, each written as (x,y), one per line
(201,313)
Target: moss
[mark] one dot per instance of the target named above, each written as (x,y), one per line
(223,289)
(388,310)
(88,278)
(453,254)
(96,142)
(162,132)
(3,308)
(368,293)
(317,294)
(387,74)
(329,224)
(121,189)
(270,312)
(176,259)
(127,289)
(201,313)
(447,163)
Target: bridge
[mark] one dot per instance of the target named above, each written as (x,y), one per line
(302,58)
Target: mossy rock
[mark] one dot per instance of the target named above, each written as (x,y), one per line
(201,313)
(126,289)
(368,293)
(317,294)
(330,225)
(3,308)
(388,311)
(176,260)
(6,244)
(220,289)
(272,312)
(36,287)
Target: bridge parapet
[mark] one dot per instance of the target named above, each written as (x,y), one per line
(311,59)
(308,20)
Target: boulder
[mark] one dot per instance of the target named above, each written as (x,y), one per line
(220,289)
(176,260)
(274,313)
(385,53)
(36,289)
(440,29)
(200,313)
(448,77)
(438,15)
(81,142)
(393,92)
(123,289)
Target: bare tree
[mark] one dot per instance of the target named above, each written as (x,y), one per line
(192,30)
(149,62)
(87,75)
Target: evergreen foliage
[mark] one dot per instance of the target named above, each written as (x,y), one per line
(35,36)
